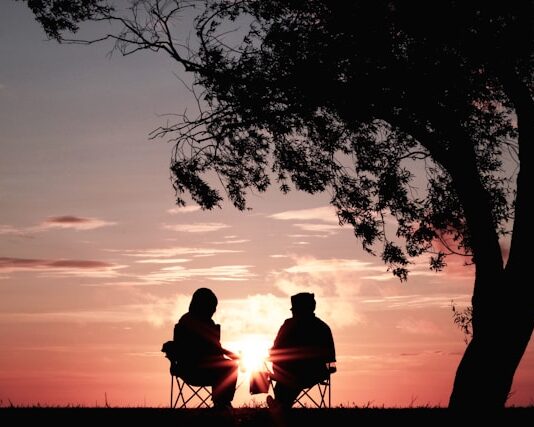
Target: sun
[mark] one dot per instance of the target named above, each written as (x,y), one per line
(254,351)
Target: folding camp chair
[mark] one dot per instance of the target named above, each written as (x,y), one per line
(187,392)
(318,394)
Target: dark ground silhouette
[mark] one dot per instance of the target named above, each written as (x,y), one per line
(253,417)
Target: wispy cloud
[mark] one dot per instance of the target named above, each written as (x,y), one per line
(14,231)
(413,301)
(259,315)
(163,261)
(314,265)
(152,310)
(218,273)
(323,228)
(419,327)
(174,252)
(307,236)
(420,267)
(199,227)
(122,284)
(230,242)
(57,222)
(87,268)
(75,222)
(2,86)
(324,213)
(81,316)
(183,209)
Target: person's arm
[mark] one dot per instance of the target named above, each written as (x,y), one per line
(331,346)
(230,354)
(279,343)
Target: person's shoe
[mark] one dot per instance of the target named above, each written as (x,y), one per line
(272,403)
(223,407)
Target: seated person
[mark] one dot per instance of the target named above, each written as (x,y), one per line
(198,357)
(302,350)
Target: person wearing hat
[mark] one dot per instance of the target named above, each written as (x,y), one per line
(301,352)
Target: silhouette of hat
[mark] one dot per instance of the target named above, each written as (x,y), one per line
(303,302)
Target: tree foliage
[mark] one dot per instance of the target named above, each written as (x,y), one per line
(57,16)
(345,99)
(349,98)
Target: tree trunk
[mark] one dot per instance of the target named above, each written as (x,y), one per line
(486,372)
(479,379)
(503,321)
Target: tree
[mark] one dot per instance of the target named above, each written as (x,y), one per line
(351,98)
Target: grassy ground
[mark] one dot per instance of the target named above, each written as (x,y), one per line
(258,417)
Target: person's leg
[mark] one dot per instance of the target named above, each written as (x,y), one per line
(285,394)
(224,382)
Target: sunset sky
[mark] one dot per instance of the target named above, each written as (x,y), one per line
(97,263)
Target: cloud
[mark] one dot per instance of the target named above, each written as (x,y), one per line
(10,230)
(2,86)
(126,284)
(419,327)
(75,222)
(153,310)
(183,209)
(175,251)
(333,265)
(163,261)
(81,316)
(218,273)
(333,281)
(55,222)
(413,301)
(199,227)
(324,228)
(230,242)
(260,314)
(324,213)
(420,267)
(86,268)
(307,236)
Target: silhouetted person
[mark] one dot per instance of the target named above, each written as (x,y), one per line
(201,358)
(302,352)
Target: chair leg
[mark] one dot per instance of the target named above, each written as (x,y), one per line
(323,401)
(181,400)
(172,386)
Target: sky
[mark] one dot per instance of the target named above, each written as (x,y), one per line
(97,262)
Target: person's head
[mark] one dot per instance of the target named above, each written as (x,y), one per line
(203,303)
(303,303)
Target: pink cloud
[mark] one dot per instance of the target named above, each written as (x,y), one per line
(27,263)
(183,209)
(175,251)
(74,222)
(419,327)
(204,227)
(323,213)
(61,266)
(320,228)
